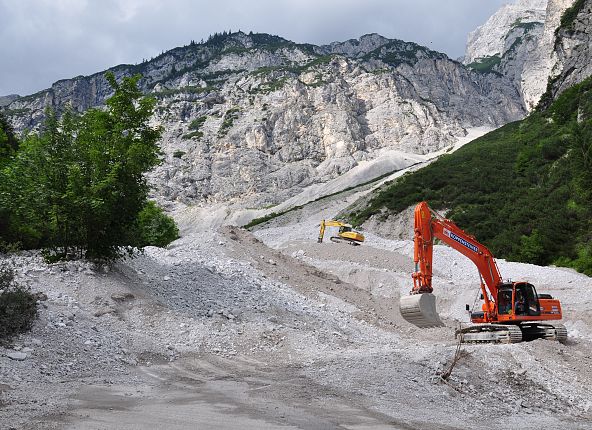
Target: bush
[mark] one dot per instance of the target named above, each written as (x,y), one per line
(155,227)
(197,123)
(18,307)
(570,15)
(485,64)
(583,262)
(229,117)
(193,135)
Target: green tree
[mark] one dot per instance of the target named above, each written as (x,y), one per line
(23,195)
(120,147)
(531,248)
(79,187)
(8,140)
(8,144)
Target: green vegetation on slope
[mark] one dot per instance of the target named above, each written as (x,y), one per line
(8,141)
(485,64)
(524,190)
(570,14)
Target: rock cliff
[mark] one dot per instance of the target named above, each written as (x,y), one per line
(518,42)
(497,36)
(542,59)
(6,100)
(256,118)
(573,48)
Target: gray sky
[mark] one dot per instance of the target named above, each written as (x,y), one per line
(42,41)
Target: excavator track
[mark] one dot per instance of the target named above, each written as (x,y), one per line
(490,333)
(499,333)
(560,333)
(338,239)
(544,330)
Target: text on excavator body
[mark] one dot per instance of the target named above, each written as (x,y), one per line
(460,240)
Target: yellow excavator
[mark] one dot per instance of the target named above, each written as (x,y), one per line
(346,233)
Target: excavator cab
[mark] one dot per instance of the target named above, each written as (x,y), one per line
(504,300)
(517,300)
(526,300)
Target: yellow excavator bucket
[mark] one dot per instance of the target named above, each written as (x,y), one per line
(420,310)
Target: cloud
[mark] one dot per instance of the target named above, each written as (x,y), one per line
(47,40)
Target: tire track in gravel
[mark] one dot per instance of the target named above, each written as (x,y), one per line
(309,280)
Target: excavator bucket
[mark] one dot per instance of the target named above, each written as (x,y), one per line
(420,310)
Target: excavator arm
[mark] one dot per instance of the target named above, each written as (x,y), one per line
(419,308)
(430,225)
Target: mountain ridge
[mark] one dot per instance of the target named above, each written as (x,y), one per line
(257,118)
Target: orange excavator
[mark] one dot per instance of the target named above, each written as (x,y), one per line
(511,311)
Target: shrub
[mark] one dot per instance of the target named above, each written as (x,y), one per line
(485,64)
(583,262)
(197,123)
(570,14)
(155,227)
(193,135)
(18,307)
(229,117)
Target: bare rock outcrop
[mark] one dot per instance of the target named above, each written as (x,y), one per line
(256,118)
(518,41)
(573,48)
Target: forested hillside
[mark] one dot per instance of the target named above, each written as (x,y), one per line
(525,190)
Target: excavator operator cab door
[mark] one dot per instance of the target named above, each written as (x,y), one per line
(526,302)
(505,299)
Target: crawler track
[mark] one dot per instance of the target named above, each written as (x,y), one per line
(490,333)
(499,333)
(338,239)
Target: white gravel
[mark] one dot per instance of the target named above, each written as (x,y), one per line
(287,333)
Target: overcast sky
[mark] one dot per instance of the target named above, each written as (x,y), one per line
(42,41)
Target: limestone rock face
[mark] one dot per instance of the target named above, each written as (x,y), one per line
(573,48)
(540,62)
(256,118)
(6,100)
(518,42)
(491,38)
